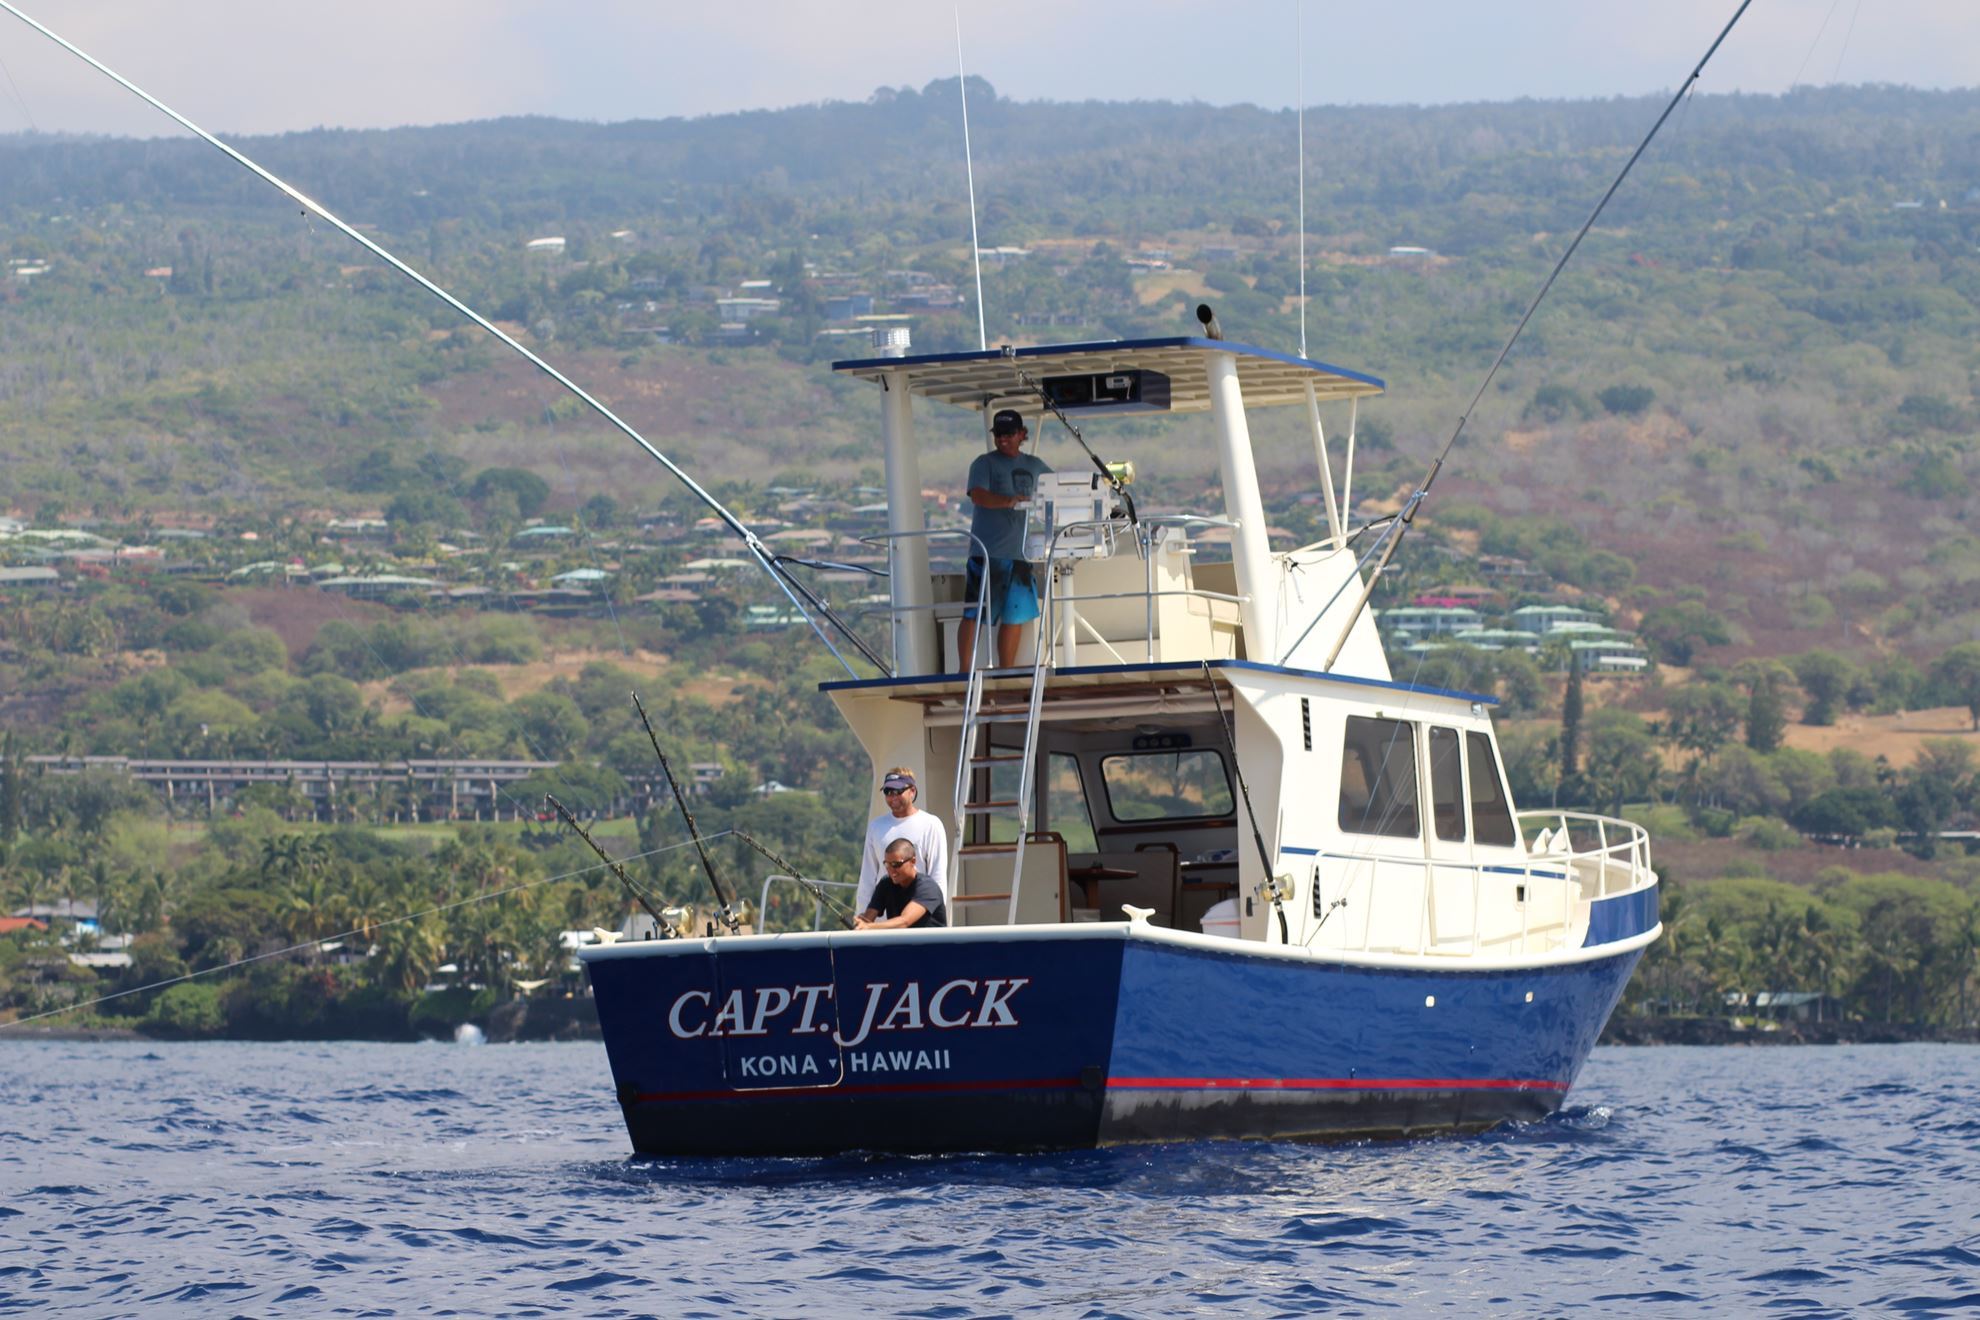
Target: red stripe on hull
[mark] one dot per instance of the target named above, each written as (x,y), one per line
(1334,1084)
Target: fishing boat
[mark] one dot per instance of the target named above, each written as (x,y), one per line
(1217,874)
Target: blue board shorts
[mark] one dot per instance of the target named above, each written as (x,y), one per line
(1013,598)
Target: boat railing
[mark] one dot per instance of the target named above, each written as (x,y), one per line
(1613,853)
(810,889)
(976,547)
(1146,540)
(1593,856)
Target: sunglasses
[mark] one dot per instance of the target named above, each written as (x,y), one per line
(895,866)
(892,792)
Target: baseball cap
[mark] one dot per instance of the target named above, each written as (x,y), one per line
(896,781)
(1006,421)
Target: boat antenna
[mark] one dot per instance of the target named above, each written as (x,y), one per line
(726,907)
(762,555)
(969,172)
(638,895)
(1400,527)
(1276,887)
(1116,476)
(1299,48)
(817,891)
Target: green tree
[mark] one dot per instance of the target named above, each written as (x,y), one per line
(1825,679)
(1571,712)
(1957,676)
(1622,759)
(1766,706)
(10,790)
(1675,632)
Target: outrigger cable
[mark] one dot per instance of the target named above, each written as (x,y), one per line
(816,890)
(1415,501)
(736,525)
(1257,836)
(1107,474)
(638,896)
(727,905)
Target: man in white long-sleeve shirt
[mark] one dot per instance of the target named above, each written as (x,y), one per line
(903,820)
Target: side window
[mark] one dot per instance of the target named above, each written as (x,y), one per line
(1378,778)
(1065,804)
(1491,814)
(1446,786)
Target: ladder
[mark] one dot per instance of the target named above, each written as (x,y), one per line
(978,756)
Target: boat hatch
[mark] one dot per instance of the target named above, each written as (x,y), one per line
(778,1019)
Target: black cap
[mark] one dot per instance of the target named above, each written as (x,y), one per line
(1006,422)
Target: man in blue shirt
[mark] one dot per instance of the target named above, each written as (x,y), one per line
(1001,484)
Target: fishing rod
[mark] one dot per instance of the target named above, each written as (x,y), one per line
(756,548)
(1422,491)
(817,890)
(1115,475)
(666,931)
(1274,888)
(726,905)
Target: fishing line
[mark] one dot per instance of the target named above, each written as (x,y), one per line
(21,100)
(349,934)
(1415,501)
(1795,82)
(749,538)
(1848,32)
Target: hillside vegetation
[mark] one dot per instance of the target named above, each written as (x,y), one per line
(1744,429)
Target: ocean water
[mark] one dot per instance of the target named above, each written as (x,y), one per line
(451,1180)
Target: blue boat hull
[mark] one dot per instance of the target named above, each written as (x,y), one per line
(1023,1040)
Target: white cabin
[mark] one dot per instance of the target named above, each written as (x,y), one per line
(1100,773)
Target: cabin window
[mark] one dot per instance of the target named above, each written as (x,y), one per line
(1378,779)
(1065,804)
(1166,785)
(1446,786)
(1491,814)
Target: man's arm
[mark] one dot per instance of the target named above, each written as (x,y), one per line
(985,499)
(910,914)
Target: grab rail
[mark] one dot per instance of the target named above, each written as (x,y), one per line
(817,903)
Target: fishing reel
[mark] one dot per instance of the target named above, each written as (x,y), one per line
(1277,889)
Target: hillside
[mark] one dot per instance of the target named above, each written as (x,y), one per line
(1757,382)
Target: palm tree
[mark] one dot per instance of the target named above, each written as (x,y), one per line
(408,952)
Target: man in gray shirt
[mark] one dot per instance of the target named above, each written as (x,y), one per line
(1001,484)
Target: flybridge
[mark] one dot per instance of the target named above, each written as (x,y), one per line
(972,380)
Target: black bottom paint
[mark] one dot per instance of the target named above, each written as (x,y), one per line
(1067,1118)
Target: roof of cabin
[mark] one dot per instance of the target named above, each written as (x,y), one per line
(977,380)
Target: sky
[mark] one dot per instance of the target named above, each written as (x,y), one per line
(272,66)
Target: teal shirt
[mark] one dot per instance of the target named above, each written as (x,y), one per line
(1002,530)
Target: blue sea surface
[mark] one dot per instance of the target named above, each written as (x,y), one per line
(361,1179)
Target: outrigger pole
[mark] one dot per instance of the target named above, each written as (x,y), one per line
(749,538)
(727,913)
(1400,527)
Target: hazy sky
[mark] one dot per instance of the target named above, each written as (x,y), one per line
(261,66)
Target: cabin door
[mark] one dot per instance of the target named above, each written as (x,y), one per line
(1451,917)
